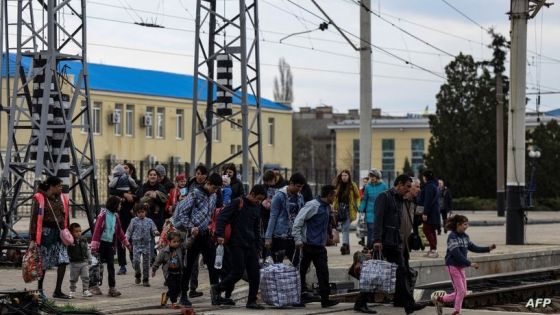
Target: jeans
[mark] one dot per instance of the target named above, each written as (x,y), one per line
(345,225)
(370,235)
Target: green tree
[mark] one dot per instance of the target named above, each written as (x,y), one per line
(462,149)
(407,169)
(546,138)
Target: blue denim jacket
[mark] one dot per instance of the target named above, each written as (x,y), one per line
(283,212)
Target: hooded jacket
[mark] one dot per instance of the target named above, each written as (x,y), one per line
(371,191)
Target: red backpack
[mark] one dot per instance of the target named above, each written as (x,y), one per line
(214,223)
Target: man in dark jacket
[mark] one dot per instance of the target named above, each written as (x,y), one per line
(445,202)
(387,237)
(311,231)
(244,216)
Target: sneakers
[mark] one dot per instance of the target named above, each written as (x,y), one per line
(60,295)
(42,295)
(437,299)
(86,293)
(95,290)
(113,292)
(72,294)
(137,281)
(194,294)
(432,254)
(163,300)
(122,271)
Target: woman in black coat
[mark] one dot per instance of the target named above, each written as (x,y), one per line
(236,186)
(155,195)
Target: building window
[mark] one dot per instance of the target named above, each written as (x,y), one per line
(270,131)
(417,148)
(388,158)
(117,119)
(129,120)
(180,125)
(232,149)
(149,122)
(160,123)
(96,118)
(216,130)
(239,149)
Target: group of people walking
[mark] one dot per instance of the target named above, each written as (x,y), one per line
(210,215)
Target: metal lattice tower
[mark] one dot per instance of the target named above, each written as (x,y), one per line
(45,105)
(230,26)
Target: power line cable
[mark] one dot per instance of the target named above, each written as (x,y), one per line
(465,16)
(360,4)
(372,45)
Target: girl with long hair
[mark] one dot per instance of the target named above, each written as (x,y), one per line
(346,206)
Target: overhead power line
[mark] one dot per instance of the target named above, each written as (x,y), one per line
(362,5)
(408,62)
(465,16)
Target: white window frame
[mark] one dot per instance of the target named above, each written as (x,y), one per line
(160,123)
(96,118)
(129,119)
(180,124)
(271,133)
(216,130)
(118,127)
(150,129)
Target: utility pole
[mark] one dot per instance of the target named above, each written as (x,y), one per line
(365,89)
(520,12)
(500,178)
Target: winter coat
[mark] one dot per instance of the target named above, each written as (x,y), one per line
(371,191)
(429,198)
(100,226)
(387,225)
(354,201)
(164,257)
(245,223)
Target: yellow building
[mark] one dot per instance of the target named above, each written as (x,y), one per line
(144,115)
(393,141)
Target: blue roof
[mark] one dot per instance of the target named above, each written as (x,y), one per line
(554,112)
(144,82)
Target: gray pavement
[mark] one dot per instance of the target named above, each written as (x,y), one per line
(145,300)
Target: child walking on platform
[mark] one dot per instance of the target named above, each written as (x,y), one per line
(171,257)
(140,233)
(458,245)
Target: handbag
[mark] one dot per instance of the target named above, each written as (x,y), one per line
(414,242)
(65,235)
(32,265)
(343,212)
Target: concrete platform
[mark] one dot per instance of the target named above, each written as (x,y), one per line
(543,250)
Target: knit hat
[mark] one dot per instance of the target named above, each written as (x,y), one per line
(180,177)
(160,170)
(375,173)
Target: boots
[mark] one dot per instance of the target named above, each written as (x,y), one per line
(345,249)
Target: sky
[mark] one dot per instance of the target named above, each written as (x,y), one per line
(325,67)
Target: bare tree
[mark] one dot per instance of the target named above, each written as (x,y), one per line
(283,91)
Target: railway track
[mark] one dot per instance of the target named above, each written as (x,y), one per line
(507,291)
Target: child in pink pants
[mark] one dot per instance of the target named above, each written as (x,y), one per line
(458,245)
